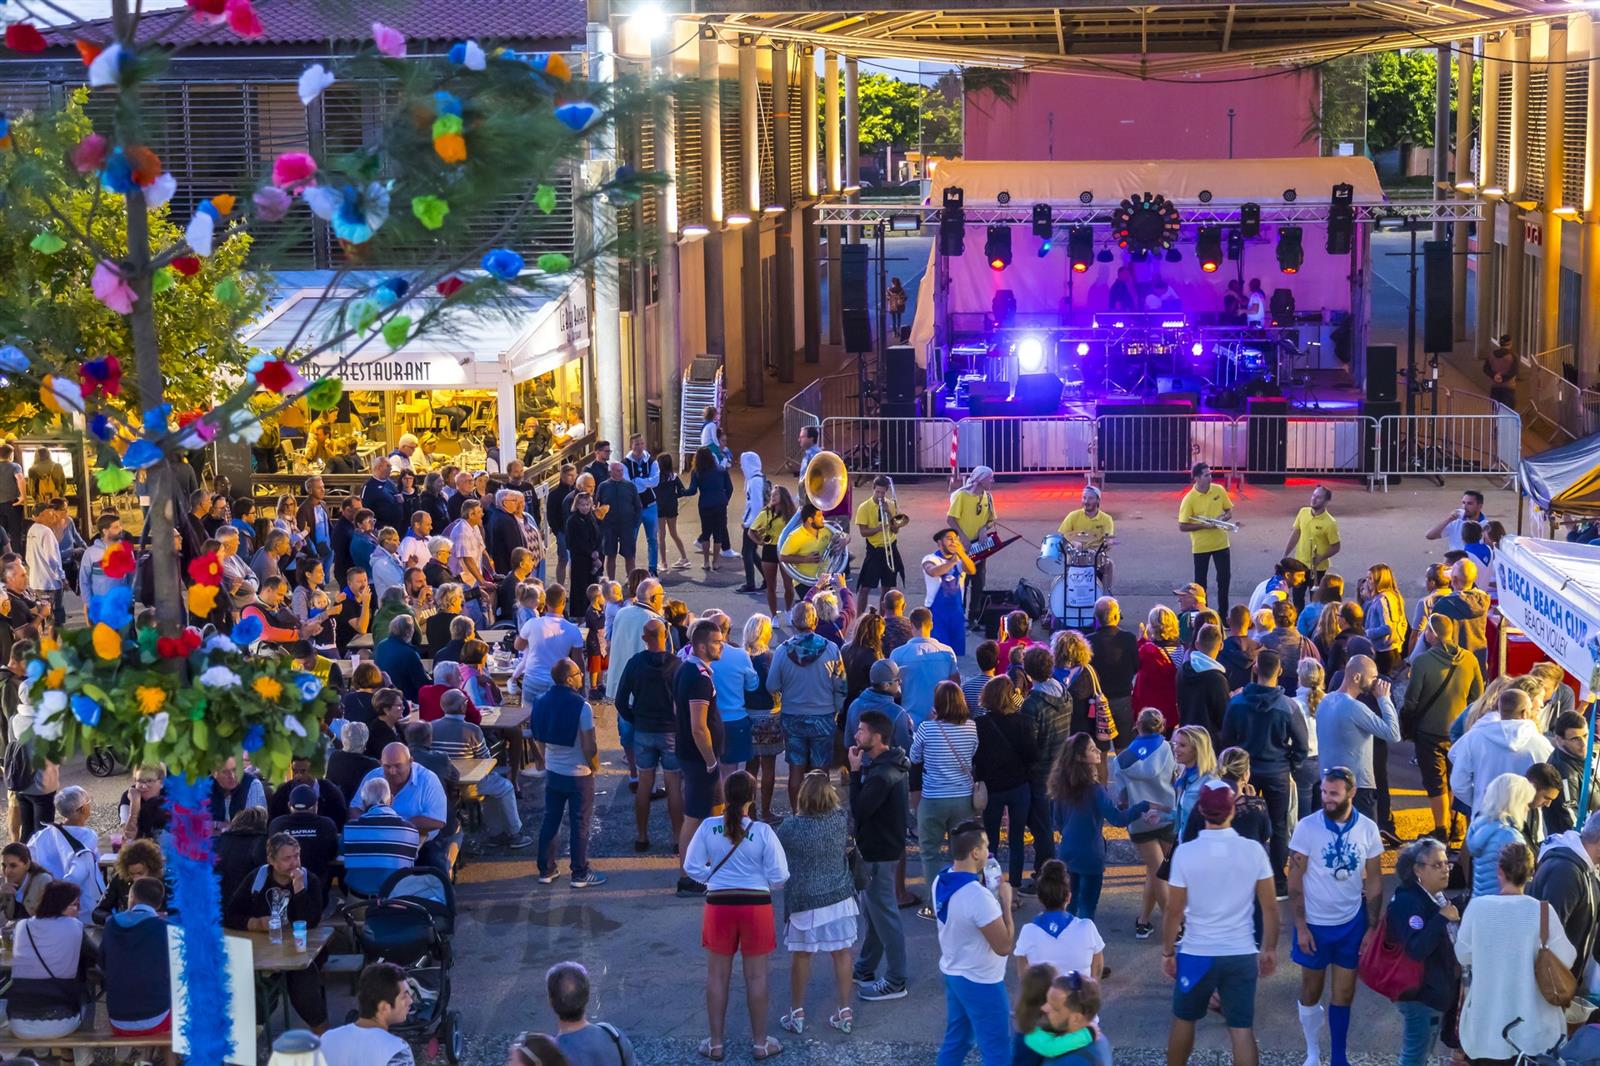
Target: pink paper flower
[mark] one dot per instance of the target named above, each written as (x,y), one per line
(242,18)
(110,289)
(272,203)
(292,170)
(391,42)
(90,153)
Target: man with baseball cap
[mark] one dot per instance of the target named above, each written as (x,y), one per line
(1230,876)
(882,694)
(1191,601)
(316,834)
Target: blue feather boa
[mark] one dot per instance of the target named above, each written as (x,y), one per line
(197,897)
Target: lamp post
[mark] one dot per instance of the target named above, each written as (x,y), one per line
(1230,132)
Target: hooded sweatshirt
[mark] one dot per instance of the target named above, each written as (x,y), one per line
(1263,722)
(755,488)
(1238,658)
(808,673)
(1445,680)
(1562,815)
(1203,686)
(1470,609)
(1145,770)
(879,802)
(1290,647)
(1485,840)
(885,703)
(1566,878)
(1490,749)
(1048,708)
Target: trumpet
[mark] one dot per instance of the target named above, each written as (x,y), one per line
(1218,523)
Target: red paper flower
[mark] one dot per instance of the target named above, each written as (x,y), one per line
(90,153)
(206,569)
(211,8)
(275,375)
(118,561)
(189,640)
(22,37)
(169,648)
(88,51)
(102,375)
(449,286)
(242,18)
(187,265)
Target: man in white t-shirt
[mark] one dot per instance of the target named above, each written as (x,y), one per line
(383,998)
(975,935)
(545,641)
(1336,890)
(1229,875)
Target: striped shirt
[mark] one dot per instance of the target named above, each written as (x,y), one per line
(458,738)
(945,752)
(972,689)
(375,845)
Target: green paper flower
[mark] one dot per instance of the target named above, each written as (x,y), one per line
(396,331)
(47,243)
(554,263)
(324,395)
(544,198)
(445,125)
(364,313)
(227,292)
(113,479)
(161,280)
(430,210)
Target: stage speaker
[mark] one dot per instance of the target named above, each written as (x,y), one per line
(1437,334)
(1282,307)
(853,279)
(1382,367)
(897,435)
(1266,438)
(900,373)
(857,330)
(987,397)
(996,605)
(1037,394)
(1137,449)
(1372,460)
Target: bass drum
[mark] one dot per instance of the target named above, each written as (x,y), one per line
(1073,596)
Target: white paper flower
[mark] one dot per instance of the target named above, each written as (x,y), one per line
(313,80)
(52,716)
(244,427)
(201,233)
(218,642)
(155,727)
(292,724)
(220,677)
(160,191)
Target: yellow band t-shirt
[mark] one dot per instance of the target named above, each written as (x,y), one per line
(1100,525)
(1318,533)
(971,512)
(768,526)
(867,515)
(1206,505)
(804,541)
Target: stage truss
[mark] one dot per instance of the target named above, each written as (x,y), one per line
(1074,213)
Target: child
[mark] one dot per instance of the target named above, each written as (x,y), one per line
(1017,625)
(1045,998)
(594,644)
(1265,623)
(668,491)
(613,601)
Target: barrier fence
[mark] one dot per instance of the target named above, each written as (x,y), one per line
(1558,410)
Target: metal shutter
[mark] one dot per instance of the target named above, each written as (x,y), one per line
(1574,129)
(769,179)
(1500,172)
(797,136)
(690,179)
(19,96)
(1533,183)
(733,194)
(277,124)
(644,164)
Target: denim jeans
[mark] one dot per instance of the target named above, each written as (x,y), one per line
(1274,789)
(1419,1032)
(935,819)
(1040,824)
(1085,893)
(975,1013)
(648,519)
(575,796)
(886,935)
(1016,803)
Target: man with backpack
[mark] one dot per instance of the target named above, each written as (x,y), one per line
(70,850)
(583,1042)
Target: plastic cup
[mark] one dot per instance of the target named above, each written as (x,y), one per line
(299,936)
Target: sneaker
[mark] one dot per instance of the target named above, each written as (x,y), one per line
(549,878)
(747,588)
(515,843)
(926,912)
(728,553)
(588,879)
(1029,887)
(641,846)
(864,980)
(881,990)
(688,886)
(1142,930)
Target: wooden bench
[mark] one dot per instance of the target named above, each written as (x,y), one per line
(100,1035)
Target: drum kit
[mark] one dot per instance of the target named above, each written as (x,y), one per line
(1075,563)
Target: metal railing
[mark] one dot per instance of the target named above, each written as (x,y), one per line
(803,409)
(1029,444)
(1163,445)
(1299,445)
(1558,410)
(1440,446)
(898,447)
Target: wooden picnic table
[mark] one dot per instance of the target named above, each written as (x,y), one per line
(284,958)
(473,771)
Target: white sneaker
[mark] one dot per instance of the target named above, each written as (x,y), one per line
(729,553)
(532,772)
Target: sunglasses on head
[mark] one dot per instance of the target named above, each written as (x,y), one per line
(1340,773)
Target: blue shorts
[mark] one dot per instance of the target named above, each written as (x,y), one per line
(652,750)
(699,790)
(625,733)
(1337,945)
(737,748)
(1232,977)
(808,739)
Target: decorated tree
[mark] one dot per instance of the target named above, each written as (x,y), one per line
(473,145)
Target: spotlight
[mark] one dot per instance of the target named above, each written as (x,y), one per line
(1235,245)
(1086,197)
(1289,196)
(1196,348)
(1003,198)
(997,247)
(1208,248)
(1104,256)
(1043,228)
(905,223)
(738,219)
(1341,219)
(1205,196)
(953,222)
(1290,253)
(1174,256)
(1083,348)
(1250,219)
(1080,248)
(1030,355)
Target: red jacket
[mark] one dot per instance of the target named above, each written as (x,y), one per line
(1156,683)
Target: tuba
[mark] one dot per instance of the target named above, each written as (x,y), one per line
(825,484)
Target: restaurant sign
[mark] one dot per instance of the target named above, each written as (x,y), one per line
(394,370)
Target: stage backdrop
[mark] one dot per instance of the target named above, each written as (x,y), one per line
(1040,285)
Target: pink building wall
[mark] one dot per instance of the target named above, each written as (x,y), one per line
(1074,116)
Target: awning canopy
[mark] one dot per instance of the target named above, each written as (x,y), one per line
(1565,480)
(541,332)
(1229,181)
(1550,589)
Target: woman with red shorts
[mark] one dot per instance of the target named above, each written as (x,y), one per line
(740,862)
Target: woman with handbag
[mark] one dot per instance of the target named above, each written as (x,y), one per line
(1414,961)
(1082,809)
(1509,946)
(1004,763)
(740,862)
(819,901)
(51,956)
(944,746)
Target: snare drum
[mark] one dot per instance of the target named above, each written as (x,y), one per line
(1052,554)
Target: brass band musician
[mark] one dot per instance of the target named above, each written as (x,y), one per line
(972,515)
(1206,514)
(879,520)
(806,547)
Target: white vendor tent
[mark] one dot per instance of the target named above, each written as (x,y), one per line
(1550,589)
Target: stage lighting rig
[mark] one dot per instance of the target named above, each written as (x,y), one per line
(997,247)
(1080,248)
(1044,228)
(1235,244)
(953,222)
(1208,248)
(1290,252)
(1250,219)
(1145,223)
(1030,355)
(1341,219)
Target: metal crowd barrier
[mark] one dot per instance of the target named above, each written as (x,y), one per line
(1165,445)
(1026,444)
(898,447)
(1440,446)
(1305,445)
(803,409)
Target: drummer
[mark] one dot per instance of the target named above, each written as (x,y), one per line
(879,521)
(1091,528)
(804,549)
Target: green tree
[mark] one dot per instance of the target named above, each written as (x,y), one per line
(890,111)
(1400,97)
(942,119)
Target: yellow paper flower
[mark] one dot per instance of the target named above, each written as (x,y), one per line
(267,688)
(202,599)
(48,645)
(151,698)
(107,642)
(55,678)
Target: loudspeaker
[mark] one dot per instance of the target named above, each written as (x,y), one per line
(853,278)
(1037,394)
(1143,451)
(1382,367)
(900,373)
(996,605)
(1266,438)
(1282,307)
(857,330)
(1373,410)
(1437,334)
(986,397)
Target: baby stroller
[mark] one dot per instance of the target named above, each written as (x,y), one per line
(410,923)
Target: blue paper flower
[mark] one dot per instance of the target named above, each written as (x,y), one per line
(86,709)
(446,103)
(35,670)
(391,290)
(503,263)
(113,608)
(577,116)
(254,738)
(310,687)
(117,175)
(102,428)
(12,360)
(247,631)
(141,455)
(207,207)
(155,420)
(361,212)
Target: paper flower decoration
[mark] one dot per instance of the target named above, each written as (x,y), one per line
(162,280)
(396,331)
(391,42)
(101,376)
(448,144)
(187,265)
(254,738)
(106,66)
(324,395)
(552,65)
(242,19)
(141,455)
(149,698)
(179,646)
(86,710)
(272,203)
(102,428)
(577,116)
(155,728)
(206,569)
(113,607)
(243,426)
(47,243)
(390,290)
(446,103)
(292,170)
(227,292)
(107,642)
(200,233)
(89,154)
(223,204)
(248,630)
(61,395)
(268,688)
(313,80)
(554,263)
(145,164)
(293,725)
(323,200)
(117,175)
(449,286)
(198,431)
(468,54)
(201,600)
(356,214)
(503,263)
(117,562)
(155,420)
(110,289)
(87,50)
(277,376)
(205,10)
(544,198)
(310,687)
(12,360)
(220,677)
(159,191)
(51,719)
(113,479)
(22,37)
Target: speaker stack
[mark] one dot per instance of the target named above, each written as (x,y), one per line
(853,299)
